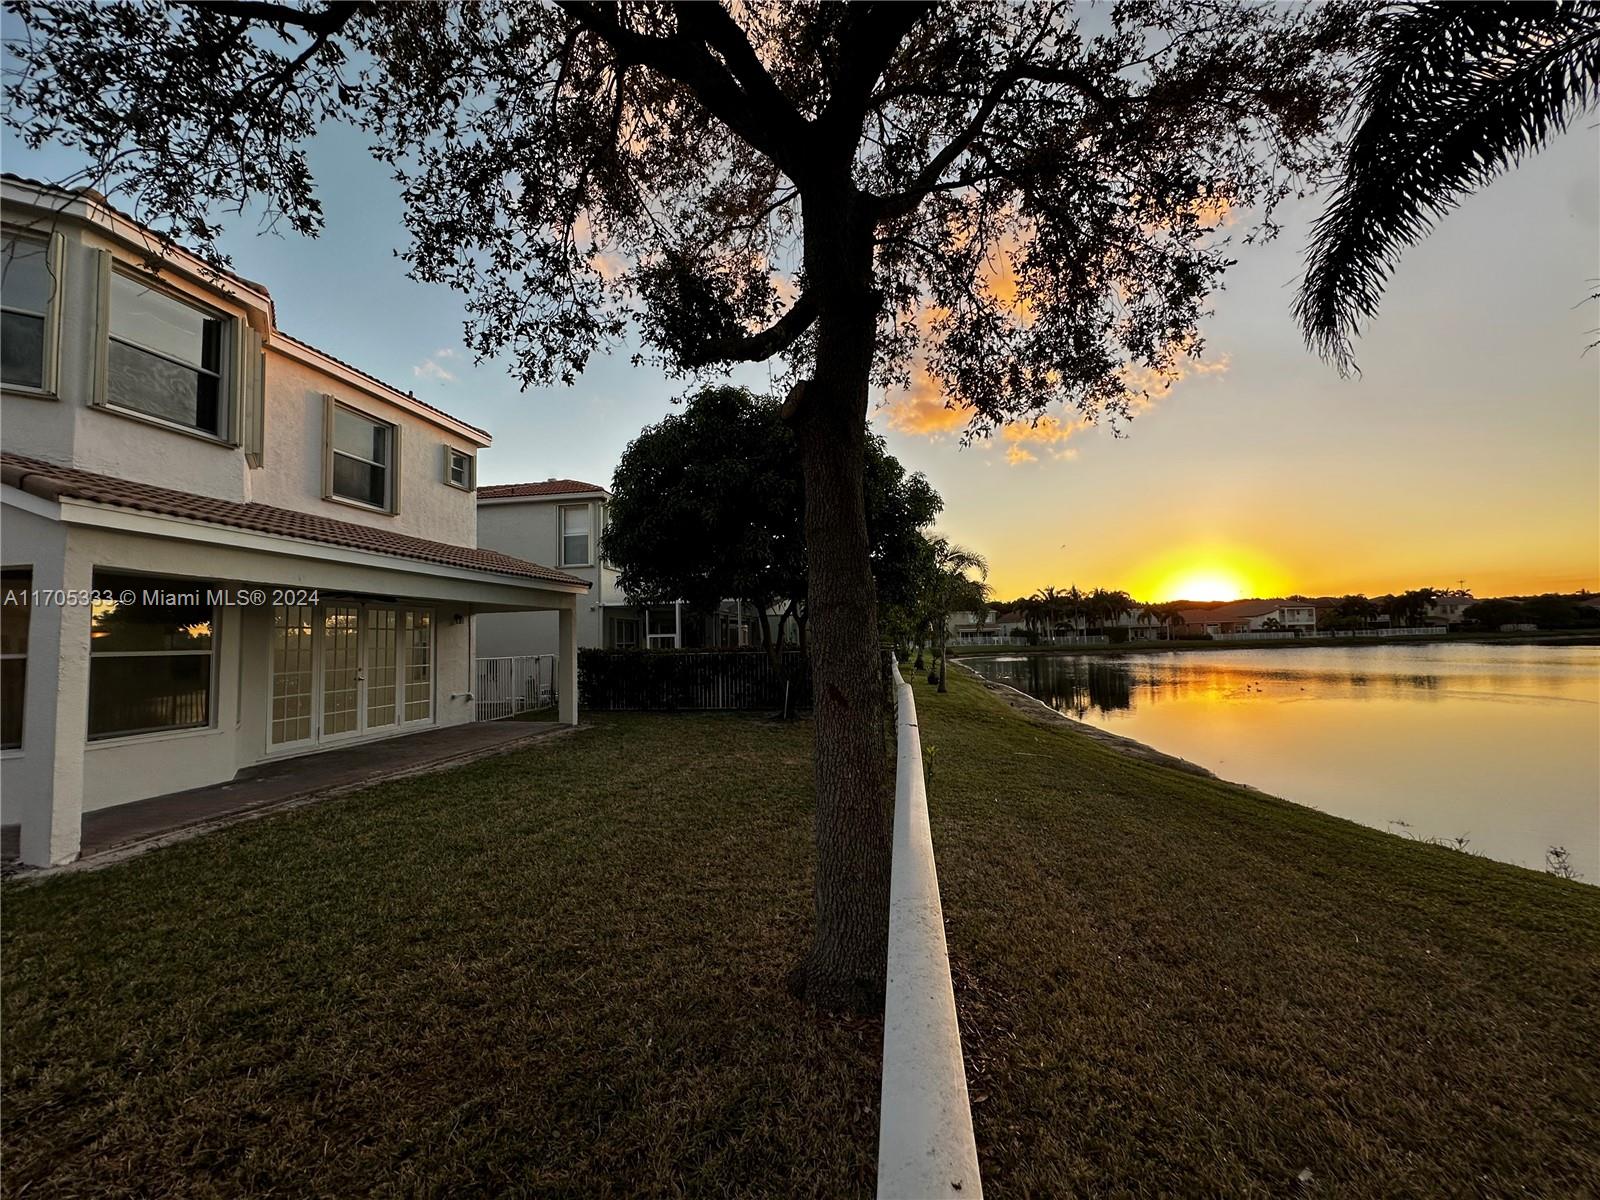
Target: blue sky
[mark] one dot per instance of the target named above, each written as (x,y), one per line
(1469,448)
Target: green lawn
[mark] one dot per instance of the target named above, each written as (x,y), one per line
(557,972)
(1172,985)
(560,972)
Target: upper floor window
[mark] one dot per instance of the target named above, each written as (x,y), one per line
(165,357)
(458,468)
(25,291)
(575,535)
(362,458)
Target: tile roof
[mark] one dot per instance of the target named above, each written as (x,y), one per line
(1237,609)
(550,487)
(371,378)
(52,482)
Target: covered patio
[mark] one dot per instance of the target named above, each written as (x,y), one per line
(111,834)
(226,642)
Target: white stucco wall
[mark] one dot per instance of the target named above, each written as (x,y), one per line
(531,529)
(67,428)
(292,463)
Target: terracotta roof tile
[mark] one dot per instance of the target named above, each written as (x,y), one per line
(550,487)
(51,482)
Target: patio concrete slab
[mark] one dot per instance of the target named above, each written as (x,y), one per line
(110,834)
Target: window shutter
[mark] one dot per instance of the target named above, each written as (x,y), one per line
(447,454)
(102,326)
(250,415)
(327,446)
(56,262)
(395,471)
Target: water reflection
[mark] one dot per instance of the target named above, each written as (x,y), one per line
(1499,745)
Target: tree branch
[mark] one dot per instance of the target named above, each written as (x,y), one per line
(871,35)
(328,21)
(755,347)
(687,60)
(898,204)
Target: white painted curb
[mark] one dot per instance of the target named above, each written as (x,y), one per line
(925,1144)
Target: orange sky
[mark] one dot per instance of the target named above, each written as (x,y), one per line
(1467,450)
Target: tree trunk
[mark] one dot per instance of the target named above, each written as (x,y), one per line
(854,810)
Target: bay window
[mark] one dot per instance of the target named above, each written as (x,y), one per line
(165,357)
(149,661)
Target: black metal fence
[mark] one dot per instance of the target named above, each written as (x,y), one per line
(703,680)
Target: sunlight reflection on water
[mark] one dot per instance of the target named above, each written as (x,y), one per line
(1496,744)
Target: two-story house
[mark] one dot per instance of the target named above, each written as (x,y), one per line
(560,521)
(1250,616)
(220,545)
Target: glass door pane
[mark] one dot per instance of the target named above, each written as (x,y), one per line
(418,651)
(382,651)
(292,627)
(341,665)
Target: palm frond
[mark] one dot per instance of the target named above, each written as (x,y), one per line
(1453,95)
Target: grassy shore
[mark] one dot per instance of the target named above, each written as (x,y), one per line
(1564,638)
(1170,984)
(560,972)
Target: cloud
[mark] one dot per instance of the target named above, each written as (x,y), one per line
(1050,433)
(921,408)
(433,366)
(1150,385)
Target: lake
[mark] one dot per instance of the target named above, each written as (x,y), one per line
(1495,744)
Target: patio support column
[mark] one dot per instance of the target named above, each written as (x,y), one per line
(567,663)
(56,713)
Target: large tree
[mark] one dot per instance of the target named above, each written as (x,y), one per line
(1002,199)
(709,504)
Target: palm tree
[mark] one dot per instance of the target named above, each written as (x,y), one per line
(1450,96)
(953,586)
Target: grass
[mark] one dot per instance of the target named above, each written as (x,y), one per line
(1172,985)
(559,972)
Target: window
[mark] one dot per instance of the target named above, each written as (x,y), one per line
(575,535)
(624,633)
(149,661)
(458,468)
(661,628)
(26,287)
(165,357)
(14,621)
(362,458)
(417,662)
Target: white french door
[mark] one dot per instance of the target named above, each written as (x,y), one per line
(341,671)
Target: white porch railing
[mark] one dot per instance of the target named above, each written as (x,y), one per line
(992,639)
(926,1147)
(505,687)
(1381,631)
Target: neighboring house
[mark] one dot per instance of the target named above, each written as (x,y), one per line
(560,521)
(1138,625)
(1449,610)
(986,627)
(1249,616)
(221,546)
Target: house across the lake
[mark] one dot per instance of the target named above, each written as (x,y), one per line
(222,546)
(1249,616)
